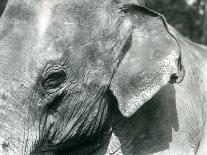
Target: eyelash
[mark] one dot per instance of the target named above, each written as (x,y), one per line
(53,76)
(54,80)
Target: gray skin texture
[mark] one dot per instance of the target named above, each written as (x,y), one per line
(72,73)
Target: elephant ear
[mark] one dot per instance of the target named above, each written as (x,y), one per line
(153,59)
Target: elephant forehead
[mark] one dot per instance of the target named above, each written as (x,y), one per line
(82,21)
(68,23)
(52,25)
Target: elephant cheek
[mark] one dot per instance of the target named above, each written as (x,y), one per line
(80,124)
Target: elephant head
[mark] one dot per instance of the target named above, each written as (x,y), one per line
(59,61)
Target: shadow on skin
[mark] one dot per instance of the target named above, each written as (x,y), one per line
(150,129)
(2,6)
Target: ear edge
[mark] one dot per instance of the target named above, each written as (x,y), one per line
(126,107)
(130,103)
(135,7)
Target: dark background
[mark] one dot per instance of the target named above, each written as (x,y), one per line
(187,16)
(2,5)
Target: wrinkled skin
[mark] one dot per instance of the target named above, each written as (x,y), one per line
(98,77)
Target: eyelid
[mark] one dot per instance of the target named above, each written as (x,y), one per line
(50,88)
(54,80)
(49,69)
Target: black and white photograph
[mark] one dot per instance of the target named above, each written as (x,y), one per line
(103,77)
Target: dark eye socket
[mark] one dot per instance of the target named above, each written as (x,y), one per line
(54,80)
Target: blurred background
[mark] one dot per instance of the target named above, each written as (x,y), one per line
(187,16)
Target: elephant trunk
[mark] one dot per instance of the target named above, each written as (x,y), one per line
(17,132)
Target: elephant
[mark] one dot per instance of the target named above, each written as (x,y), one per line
(98,77)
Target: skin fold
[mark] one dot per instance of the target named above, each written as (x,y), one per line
(98,77)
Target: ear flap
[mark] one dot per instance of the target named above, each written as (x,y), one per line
(152,60)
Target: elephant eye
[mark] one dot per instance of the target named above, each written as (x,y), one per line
(54,80)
